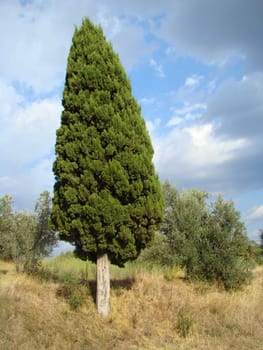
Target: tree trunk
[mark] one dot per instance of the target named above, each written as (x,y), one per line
(103,285)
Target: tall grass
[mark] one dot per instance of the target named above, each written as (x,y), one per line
(65,268)
(152,312)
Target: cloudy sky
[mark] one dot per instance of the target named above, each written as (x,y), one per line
(196,68)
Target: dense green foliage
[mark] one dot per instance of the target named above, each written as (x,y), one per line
(6,225)
(45,238)
(24,236)
(257,248)
(208,240)
(261,239)
(255,252)
(107,197)
(159,254)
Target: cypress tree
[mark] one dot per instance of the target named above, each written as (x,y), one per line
(107,196)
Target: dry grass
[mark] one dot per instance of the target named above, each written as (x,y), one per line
(152,313)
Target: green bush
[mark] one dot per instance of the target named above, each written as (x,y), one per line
(256,253)
(75,295)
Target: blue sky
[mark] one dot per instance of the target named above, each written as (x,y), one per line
(196,68)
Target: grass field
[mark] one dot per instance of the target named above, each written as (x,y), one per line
(149,310)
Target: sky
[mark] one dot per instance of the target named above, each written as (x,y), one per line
(196,69)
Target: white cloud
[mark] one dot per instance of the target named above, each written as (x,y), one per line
(152,125)
(237,107)
(158,68)
(8,100)
(255,213)
(39,34)
(32,65)
(213,150)
(27,138)
(127,37)
(147,101)
(31,53)
(39,37)
(189,112)
(174,121)
(29,132)
(193,80)
(216,142)
(31,182)
(195,156)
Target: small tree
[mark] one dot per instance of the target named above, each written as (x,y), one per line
(255,253)
(6,226)
(257,249)
(22,240)
(209,240)
(261,239)
(24,236)
(185,220)
(43,237)
(107,197)
(229,246)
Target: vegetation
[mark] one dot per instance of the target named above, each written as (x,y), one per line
(107,197)
(108,203)
(261,239)
(24,236)
(208,240)
(159,253)
(147,311)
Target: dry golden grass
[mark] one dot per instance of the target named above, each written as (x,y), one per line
(152,313)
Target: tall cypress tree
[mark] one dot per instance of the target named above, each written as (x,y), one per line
(107,196)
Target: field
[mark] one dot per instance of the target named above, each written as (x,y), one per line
(149,310)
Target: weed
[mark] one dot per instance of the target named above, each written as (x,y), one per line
(174,273)
(184,324)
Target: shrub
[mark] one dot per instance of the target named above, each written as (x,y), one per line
(75,295)
(184,324)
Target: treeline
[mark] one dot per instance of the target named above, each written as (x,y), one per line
(25,237)
(207,239)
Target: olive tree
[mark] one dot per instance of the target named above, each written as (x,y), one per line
(208,239)
(25,237)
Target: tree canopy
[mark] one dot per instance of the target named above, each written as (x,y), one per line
(107,196)
(25,237)
(207,239)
